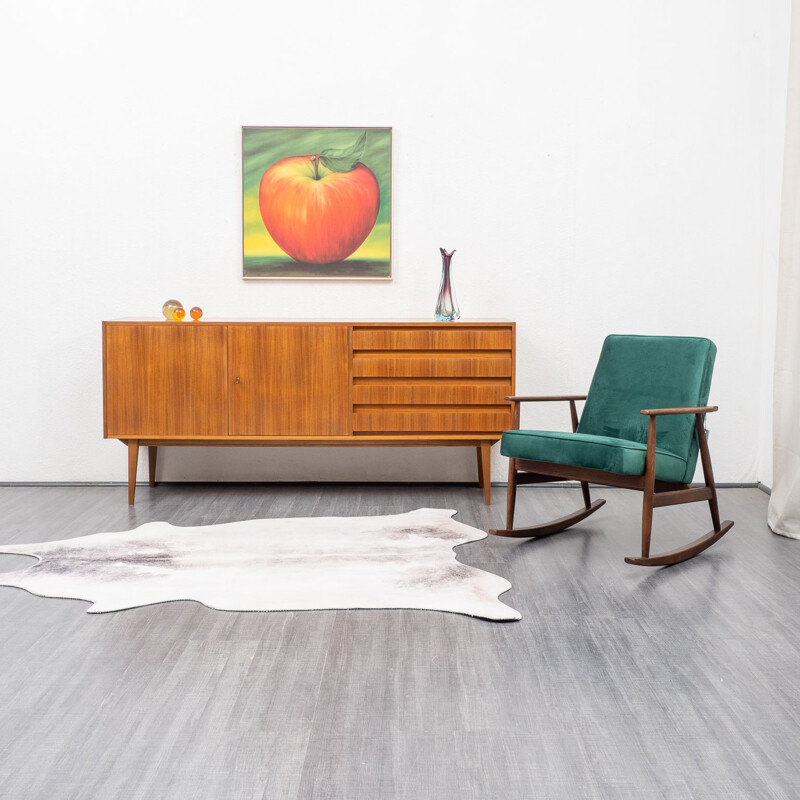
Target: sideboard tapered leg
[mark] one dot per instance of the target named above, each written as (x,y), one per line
(152,455)
(133,461)
(486,471)
(480,467)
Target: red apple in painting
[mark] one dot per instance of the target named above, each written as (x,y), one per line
(317,215)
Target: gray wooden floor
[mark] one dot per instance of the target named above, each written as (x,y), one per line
(619,682)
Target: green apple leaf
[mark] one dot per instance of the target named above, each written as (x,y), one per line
(343,160)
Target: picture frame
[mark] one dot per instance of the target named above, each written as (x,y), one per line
(316,203)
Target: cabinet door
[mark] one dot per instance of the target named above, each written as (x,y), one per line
(288,380)
(166,379)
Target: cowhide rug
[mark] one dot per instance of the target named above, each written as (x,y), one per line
(398,561)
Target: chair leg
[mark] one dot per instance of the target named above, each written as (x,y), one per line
(486,471)
(647,518)
(647,524)
(511,496)
(698,545)
(587,499)
(649,487)
(708,472)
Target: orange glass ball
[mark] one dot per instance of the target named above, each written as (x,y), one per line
(178,313)
(196,312)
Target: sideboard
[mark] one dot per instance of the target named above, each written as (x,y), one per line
(294,383)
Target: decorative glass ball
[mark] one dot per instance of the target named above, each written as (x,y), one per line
(169,307)
(178,313)
(196,312)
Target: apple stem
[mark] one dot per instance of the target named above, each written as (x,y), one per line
(315,162)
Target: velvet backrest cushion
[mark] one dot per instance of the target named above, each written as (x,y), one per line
(638,372)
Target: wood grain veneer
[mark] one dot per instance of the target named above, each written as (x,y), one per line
(288,380)
(165,379)
(433,338)
(430,393)
(431,365)
(397,418)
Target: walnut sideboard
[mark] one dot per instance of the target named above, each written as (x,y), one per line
(287,383)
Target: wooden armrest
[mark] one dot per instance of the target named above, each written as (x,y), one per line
(544,398)
(658,412)
(571,398)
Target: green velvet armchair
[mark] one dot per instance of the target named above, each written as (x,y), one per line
(639,380)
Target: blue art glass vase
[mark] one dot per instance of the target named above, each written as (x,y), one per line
(446,305)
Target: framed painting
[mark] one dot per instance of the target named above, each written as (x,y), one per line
(316,203)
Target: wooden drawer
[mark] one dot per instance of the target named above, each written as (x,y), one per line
(440,420)
(434,338)
(431,393)
(434,366)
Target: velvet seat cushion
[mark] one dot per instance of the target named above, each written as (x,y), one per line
(620,456)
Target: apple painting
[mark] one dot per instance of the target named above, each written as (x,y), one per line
(322,200)
(319,209)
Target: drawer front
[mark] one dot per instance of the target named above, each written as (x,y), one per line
(434,338)
(431,393)
(434,366)
(442,420)
(429,380)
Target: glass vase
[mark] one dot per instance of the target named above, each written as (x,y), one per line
(446,305)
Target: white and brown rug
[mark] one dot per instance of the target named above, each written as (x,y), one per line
(398,561)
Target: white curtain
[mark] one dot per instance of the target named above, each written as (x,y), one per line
(784,505)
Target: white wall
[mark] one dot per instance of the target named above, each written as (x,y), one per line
(774,112)
(598,166)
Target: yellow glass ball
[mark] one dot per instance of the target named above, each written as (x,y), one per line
(169,307)
(178,313)
(196,312)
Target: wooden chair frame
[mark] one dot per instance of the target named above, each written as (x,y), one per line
(656,493)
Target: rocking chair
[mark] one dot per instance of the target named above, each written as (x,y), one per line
(637,380)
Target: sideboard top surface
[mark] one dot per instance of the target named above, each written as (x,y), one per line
(266,321)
